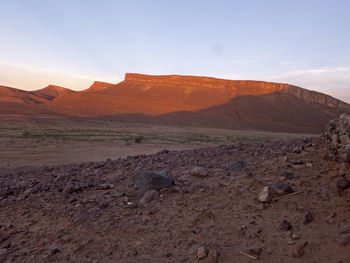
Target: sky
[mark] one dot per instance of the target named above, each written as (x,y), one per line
(71,43)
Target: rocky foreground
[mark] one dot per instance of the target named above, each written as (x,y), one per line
(280,201)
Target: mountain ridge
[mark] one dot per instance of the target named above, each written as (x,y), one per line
(199,101)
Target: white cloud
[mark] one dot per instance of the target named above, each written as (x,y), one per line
(333,81)
(31,78)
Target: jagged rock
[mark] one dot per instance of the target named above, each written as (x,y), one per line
(282,188)
(153,180)
(237,166)
(199,171)
(308,218)
(265,195)
(285,225)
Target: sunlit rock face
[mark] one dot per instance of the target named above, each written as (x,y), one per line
(98,86)
(52,92)
(196,101)
(234,88)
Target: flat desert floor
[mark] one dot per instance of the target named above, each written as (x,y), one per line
(53,142)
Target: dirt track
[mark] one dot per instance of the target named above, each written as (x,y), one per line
(90,212)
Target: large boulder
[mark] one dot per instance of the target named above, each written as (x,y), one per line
(153,180)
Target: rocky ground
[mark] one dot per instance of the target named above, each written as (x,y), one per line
(278,201)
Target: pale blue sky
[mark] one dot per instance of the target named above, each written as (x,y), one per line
(305,42)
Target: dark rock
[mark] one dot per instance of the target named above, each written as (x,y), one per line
(282,188)
(342,184)
(343,237)
(54,251)
(287,175)
(102,202)
(237,166)
(285,225)
(153,180)
(347,152)
(308,218)
(199,171)
(295,161)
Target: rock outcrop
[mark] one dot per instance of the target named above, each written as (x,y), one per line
(338,138)
(98,86)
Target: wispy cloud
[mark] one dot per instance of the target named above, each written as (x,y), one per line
(331,80)
(32,78)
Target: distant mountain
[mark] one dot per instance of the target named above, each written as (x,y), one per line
(202,101)
(52,92)
(98,86)
(8,94)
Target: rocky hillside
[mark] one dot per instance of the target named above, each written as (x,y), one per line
(52,92)
(267,202)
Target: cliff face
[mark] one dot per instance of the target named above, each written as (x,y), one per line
(200,101)
(238,87)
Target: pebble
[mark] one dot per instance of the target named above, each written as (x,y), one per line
(308,218)
(265,195)
(285,225)
(199,171)
(295,161)
(282,188)
(237,166)
(342,184)
(201,253)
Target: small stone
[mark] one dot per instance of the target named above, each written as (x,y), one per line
(199,171)
(148,197)
(347,177)
(72,199)
(308,165)
(343,169)
(295,236)
(282,188)
(285,225)
(265,195)
(343,239)
(105,186)
(342,184)
(201,253)
(237,166)
(54,251)
(118,194)
(347,152)
(287,175)
(308,218)
(295,161)
(291,242)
